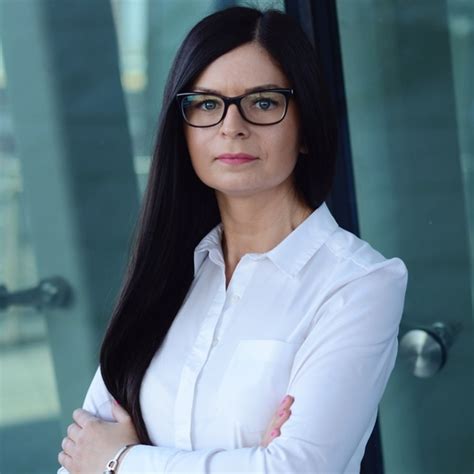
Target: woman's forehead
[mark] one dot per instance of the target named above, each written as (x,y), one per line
(244,68)
(247,90)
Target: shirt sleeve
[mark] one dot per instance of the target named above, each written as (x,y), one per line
(338,378)
(97,401)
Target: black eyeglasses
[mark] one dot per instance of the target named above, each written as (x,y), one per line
(264,107)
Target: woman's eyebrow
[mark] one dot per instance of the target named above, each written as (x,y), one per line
(251,89)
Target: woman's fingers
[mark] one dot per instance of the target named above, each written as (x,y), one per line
(282,414)
(67,445)
(73,431)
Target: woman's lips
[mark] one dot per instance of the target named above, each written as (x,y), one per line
(235,159)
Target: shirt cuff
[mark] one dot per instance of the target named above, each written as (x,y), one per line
(143,458)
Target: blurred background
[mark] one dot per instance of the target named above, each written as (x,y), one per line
(81,84)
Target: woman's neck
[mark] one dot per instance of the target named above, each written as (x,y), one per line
(252,228)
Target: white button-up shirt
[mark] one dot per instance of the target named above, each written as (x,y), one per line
(316,317)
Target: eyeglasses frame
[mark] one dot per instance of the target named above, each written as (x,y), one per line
(288,93)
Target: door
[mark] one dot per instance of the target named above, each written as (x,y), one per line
(409,82)
(65,168)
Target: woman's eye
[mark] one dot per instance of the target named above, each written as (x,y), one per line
(207,105)
(265,104)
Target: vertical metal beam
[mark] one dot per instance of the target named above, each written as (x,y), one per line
(319,20)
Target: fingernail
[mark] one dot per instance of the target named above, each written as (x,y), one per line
(281,413)
(274,433)
(284,400)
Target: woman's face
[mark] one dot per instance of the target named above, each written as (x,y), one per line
(276,146)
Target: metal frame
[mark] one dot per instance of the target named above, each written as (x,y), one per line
(319,20)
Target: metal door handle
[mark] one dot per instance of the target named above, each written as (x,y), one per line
(425,349)
(50,292)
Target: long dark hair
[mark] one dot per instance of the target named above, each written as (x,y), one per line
(178,210)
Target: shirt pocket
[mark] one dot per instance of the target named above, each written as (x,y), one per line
(255,382)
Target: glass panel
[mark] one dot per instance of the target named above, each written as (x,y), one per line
(409,74)
(28,397)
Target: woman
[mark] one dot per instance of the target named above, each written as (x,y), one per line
(242,288)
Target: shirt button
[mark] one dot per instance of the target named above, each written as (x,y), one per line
(235,298)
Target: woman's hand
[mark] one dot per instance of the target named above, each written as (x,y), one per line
(281,415)
(92,442)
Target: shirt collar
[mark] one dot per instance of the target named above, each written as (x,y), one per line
(292,253)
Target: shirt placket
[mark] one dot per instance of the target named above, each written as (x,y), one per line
(192,368)
(208,337)
(242,275)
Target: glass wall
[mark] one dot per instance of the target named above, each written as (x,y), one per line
(29,405)
(409,75)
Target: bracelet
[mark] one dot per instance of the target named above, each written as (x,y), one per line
(113,463)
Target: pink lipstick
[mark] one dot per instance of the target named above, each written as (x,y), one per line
(236,158)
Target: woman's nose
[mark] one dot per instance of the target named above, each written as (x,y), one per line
(233,123)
